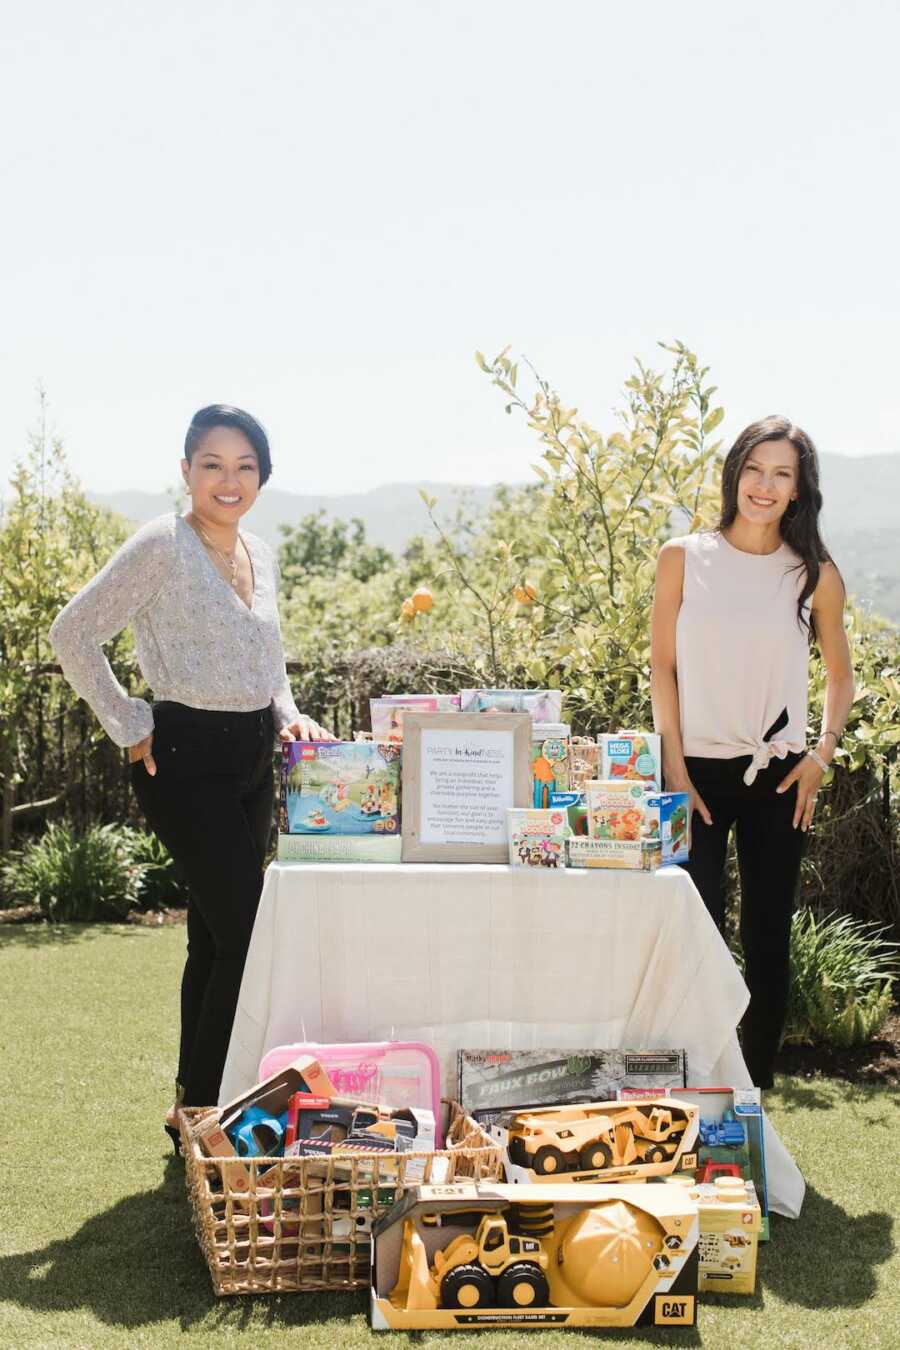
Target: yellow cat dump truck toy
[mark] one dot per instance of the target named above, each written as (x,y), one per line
(475,1255)
(620,1140)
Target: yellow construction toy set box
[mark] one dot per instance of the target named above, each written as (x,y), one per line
(473,1255)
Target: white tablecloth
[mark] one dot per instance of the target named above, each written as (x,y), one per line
(487,956)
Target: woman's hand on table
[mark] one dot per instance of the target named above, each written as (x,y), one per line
(305,729)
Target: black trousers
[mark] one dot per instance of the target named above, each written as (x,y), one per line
(211,803)
(769,852)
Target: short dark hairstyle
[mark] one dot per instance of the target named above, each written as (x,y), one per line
(224,415)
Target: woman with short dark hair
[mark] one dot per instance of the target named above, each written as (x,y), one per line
(201,596)
(734,613)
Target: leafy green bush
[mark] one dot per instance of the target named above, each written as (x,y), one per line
(841,974)
(74,876)
(160,885)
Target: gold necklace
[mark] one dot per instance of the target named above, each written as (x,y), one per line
(230,563)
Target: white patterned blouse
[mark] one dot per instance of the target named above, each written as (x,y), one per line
(197,642)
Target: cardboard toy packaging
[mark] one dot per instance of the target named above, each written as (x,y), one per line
(730,1223)
(615,810)
(549,761)
(536,838)
(666,832)
(575,807)
(492,1082)
(632,756)
(472,1255)
(598,1141)
(544,705)
(715,1150)
(340,801)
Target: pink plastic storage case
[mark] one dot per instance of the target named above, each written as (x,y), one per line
(396,1073)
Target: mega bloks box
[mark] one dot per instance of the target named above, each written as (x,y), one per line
(492,1082)
(632,756)
(343,791)
(598,1141)
(536,838)
(468,1256)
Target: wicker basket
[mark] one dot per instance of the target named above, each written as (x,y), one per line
(304,1222)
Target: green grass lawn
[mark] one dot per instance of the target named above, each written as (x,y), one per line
(97,1251)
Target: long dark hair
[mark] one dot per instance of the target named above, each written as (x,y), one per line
(799,525)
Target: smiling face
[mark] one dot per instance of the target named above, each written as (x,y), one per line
(767,482)
(222,476)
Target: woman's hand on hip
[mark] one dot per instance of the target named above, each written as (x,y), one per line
(305,729)
(695,801)
(143,750)
(808,776)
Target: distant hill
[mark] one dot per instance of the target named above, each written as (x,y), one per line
(860,519)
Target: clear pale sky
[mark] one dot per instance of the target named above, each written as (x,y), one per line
(319,211)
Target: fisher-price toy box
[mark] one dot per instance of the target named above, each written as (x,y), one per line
(472,1255)
(340,801)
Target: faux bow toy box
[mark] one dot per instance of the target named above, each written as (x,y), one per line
(463,1257)
(340,802)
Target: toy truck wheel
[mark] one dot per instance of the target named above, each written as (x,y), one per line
(467,1286)
(655,1153)
(523,1285)
(549,1160)
(594,1157)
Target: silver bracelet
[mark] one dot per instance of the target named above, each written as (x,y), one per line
(814,755)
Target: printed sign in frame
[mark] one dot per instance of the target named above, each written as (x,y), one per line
(460,773)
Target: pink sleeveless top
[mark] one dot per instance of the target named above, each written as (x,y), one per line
(742,657)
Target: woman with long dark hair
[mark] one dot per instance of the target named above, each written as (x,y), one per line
(201,596)
(734,613)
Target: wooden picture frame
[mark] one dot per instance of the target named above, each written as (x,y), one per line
(451,743)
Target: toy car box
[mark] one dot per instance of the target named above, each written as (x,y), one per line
(468,1256)
(730,1224)
(492,1082)
(744,1107)
(340,801)
(598,1141)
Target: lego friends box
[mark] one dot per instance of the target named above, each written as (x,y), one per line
(340,800)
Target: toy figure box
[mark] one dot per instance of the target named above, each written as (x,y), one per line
(536,838)
(633,756)
(473,1255)
(549,760)
(666,833)
(340,800)
(491,1082)
(730,1224)
(599,1141)
(585,760)
(731,1137)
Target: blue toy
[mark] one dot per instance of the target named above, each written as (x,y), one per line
(725,1133)
(255,1133)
